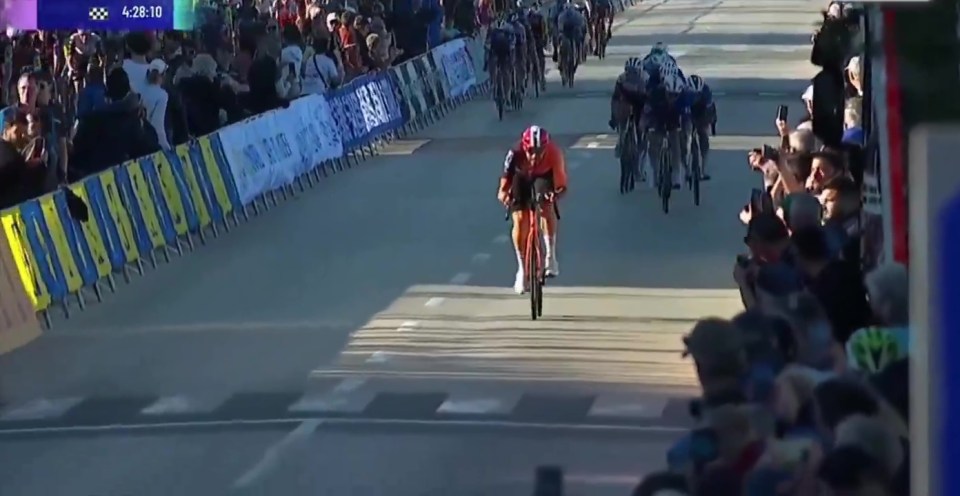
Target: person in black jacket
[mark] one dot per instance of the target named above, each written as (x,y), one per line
(113,134)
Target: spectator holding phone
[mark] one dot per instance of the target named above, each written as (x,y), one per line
(291,61)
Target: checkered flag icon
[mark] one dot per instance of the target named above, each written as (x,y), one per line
(99,13)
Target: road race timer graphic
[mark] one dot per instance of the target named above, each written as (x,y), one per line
(98,14)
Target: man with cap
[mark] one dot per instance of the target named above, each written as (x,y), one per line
(154,100)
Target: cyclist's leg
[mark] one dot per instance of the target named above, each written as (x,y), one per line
(645,139)
(703,135)
(686,142)
(520,212)
(676,154)
(655,141)
(549,227)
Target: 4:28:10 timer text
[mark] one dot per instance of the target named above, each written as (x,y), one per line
(142,12)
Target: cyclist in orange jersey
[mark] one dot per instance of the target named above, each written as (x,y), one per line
(535,163)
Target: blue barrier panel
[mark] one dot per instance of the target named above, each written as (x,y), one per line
(91,233)
(77,245)
(107,231)
(40,248)
(149,188)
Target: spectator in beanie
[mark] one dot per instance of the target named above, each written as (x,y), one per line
(118,123)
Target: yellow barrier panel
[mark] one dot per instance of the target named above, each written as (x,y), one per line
(121,218)
(91,233)
(18,321)
(216,178)
(168,185)
(141,190)
(193,184)
(61,245)
(16,243)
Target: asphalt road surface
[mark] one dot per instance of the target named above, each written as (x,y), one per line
(363,339)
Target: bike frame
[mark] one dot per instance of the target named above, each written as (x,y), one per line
(533,253)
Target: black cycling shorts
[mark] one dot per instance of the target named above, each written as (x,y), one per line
(523,187)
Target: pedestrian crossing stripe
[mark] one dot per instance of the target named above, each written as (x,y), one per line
(99,14)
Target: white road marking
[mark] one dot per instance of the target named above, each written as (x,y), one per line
(408,325)
(501,239)
(170,405)
(40,409)
(473,406)
(481,257)
(593,144)
(271,457)
(460,278)
(436,301)
(201,424)
(349,384)
(378,357)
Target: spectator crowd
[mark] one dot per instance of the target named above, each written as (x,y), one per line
(805,392)
(73,104)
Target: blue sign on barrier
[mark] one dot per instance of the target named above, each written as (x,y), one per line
(949,240)
(934,202)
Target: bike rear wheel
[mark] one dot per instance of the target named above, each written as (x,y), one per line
(499,97)
(628,157)
(666,178)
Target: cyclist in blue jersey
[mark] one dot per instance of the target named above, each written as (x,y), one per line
(668,114)
(628,101)
(703,116)
(519,22)
(553,18)
(500,50)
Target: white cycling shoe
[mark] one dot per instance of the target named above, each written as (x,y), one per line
(553,267)
(520,282)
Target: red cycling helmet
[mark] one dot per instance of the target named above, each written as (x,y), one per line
(534,139)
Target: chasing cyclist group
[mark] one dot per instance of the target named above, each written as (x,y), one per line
(664,105)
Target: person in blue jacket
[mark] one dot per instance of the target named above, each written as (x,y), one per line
(703,116)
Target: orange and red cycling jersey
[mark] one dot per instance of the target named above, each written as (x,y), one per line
(550,164)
